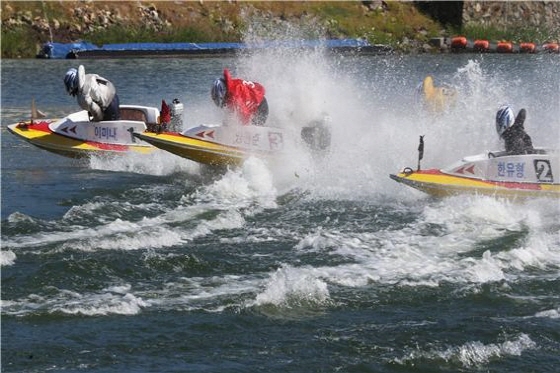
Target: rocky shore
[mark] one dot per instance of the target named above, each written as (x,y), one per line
(103,22)
(509,14)
(27,25)
(83,18)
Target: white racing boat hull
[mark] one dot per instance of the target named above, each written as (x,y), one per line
(219,145)
(496,174)
(76,136)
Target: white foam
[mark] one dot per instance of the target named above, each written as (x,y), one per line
(290,286)
(18,217)
(196,293)
(113,300)
(252,183)
(239,193)
(486,269)
(158,162)
(132,235)
(457,226)
(7,258)
(552,314)
(103,304)
(241,185)
(231,219)
(474,354)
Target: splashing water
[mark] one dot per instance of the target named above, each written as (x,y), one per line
(476,353)
(374,128)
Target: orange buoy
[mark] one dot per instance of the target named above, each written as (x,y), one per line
(527,48)
(481,45)
(504,47)
(551,47)
(459,42)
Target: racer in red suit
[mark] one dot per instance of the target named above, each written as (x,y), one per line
(244,98)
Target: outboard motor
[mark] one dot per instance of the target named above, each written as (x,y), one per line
(317,134)
(176,123)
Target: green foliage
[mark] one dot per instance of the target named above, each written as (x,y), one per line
(329,10)
(119,34)
(19,43)
(521,34)
(223,22)
(388,24)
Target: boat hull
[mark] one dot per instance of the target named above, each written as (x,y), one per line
(75,136)
(40,135)
(512,176)
(438,184)
(220,145)
(200,151)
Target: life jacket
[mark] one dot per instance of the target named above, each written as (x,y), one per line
(243,97)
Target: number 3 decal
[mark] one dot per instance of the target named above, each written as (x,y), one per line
(249,83)
(543,170)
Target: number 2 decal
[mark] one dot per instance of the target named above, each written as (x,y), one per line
(543,170)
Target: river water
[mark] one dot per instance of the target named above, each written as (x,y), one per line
(154,264)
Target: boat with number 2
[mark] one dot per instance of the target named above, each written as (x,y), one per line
(493,173)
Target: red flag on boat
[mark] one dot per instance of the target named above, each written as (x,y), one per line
(165,113)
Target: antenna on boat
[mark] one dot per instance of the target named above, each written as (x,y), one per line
(420,151)
(35,114)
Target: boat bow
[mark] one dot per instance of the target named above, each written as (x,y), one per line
(493,173)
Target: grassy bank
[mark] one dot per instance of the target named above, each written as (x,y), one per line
(27,25)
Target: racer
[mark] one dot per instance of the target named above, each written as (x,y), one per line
(245,99)
(510,128)
(94,93)
(435,99)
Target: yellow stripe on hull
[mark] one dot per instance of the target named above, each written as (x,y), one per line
(70,147)
(200,151)
(441,185)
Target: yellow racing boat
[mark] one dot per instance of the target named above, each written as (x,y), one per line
(222,145)
(76,136)
(494,173)
(435,99)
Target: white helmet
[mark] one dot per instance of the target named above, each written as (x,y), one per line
(504,119)
(71,81)
(219,92)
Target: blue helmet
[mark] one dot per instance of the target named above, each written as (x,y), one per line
(504,119)
(219,92)
(71,81)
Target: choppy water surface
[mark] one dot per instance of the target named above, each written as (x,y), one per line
(154,264)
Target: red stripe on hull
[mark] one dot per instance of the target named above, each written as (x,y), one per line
(44,127)
(36,126)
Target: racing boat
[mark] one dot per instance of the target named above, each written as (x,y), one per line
(76,136)
(434,98)
(222,145)
(492,173)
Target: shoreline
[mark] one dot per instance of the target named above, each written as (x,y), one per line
(458,44)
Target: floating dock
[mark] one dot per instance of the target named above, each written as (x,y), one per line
(86,50)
